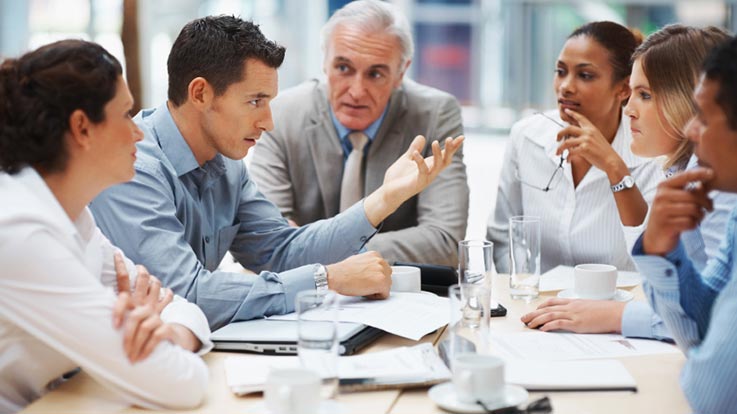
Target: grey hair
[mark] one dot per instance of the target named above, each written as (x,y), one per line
(375,16)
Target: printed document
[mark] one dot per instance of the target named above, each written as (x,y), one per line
(410,315)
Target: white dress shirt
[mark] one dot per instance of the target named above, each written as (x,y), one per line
(56,300)
(579,225)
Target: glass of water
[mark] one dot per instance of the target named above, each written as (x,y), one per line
(524,257)
(317,344)
(469,319)
(475,262)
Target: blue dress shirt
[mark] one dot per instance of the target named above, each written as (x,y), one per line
(179,219)
(638,319)
(700,309)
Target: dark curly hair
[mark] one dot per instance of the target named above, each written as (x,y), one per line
(215,48)
(38,93)
(721,66)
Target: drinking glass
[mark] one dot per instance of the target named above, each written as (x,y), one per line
(475,262)
(524,257)
(317,344)
(469,320)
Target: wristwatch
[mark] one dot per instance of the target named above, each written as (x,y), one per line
(321,277)
(627,182)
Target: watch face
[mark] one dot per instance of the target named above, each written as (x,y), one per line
(629,182)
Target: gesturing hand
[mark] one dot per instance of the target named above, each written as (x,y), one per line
(411,173)
(679,205)
(147,288)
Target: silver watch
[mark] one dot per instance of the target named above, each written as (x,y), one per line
(627,182)
(321,277)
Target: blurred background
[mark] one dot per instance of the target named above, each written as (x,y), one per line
(496,56)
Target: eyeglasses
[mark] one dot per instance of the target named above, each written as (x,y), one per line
(559,168)
(540,406)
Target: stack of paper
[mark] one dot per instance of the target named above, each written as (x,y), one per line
(395,368)
(410,315)
(600,375)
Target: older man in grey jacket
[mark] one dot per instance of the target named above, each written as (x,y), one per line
(333,141)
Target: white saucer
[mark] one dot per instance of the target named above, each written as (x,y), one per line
(326,407)
(444,395)
(619,296)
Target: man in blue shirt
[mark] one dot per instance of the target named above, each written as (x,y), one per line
(700,308)
(192,199)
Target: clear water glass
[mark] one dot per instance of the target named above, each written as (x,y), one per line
(469,319)
(524,257)
(475,262)
(317,344)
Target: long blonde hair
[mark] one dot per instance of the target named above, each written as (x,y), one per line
(671,59)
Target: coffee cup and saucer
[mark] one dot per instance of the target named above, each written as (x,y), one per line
(477,377)
(595,282)
(294,391)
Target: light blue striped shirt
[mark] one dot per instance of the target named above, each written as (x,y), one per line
(700,310)
(639,319)
(179,219)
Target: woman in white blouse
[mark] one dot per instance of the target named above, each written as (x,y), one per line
(65,135)
(664,74)
(573,167)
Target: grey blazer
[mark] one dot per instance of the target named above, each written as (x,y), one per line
(299,166)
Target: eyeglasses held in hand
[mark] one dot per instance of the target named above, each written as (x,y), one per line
(540,406)
(557,170)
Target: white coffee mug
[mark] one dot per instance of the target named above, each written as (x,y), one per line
(595,281)
(478,377)
(406,279)
(292,391)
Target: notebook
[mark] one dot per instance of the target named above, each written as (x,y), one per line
(266,336)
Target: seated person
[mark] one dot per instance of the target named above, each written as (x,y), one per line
(658,110)
(569,184)
(192,199)
(700,307)
(65,135)
(307,165)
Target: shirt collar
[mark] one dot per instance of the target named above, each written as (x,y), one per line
(172,142)
(35,184)
(370,131)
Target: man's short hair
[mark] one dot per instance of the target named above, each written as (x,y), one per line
(721,66)
(215,48)
(374,16)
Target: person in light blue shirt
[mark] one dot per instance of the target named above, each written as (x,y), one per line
(192,199)
(700,307)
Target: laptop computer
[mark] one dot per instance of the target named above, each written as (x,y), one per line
(266,336)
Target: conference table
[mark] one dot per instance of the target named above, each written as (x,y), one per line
(656,375)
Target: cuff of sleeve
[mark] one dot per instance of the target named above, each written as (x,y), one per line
(295,281)
(659,272)
(190,316)
(637,320)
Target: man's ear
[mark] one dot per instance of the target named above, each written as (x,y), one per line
(200,93)
(403,70)
(79,129)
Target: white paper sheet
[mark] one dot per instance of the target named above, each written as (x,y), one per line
(561,277)
(569,375)
(247,373)
(553,346)
(410,315)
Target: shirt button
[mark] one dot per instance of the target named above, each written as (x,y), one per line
(363,238)
(207,239)
(669,272)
